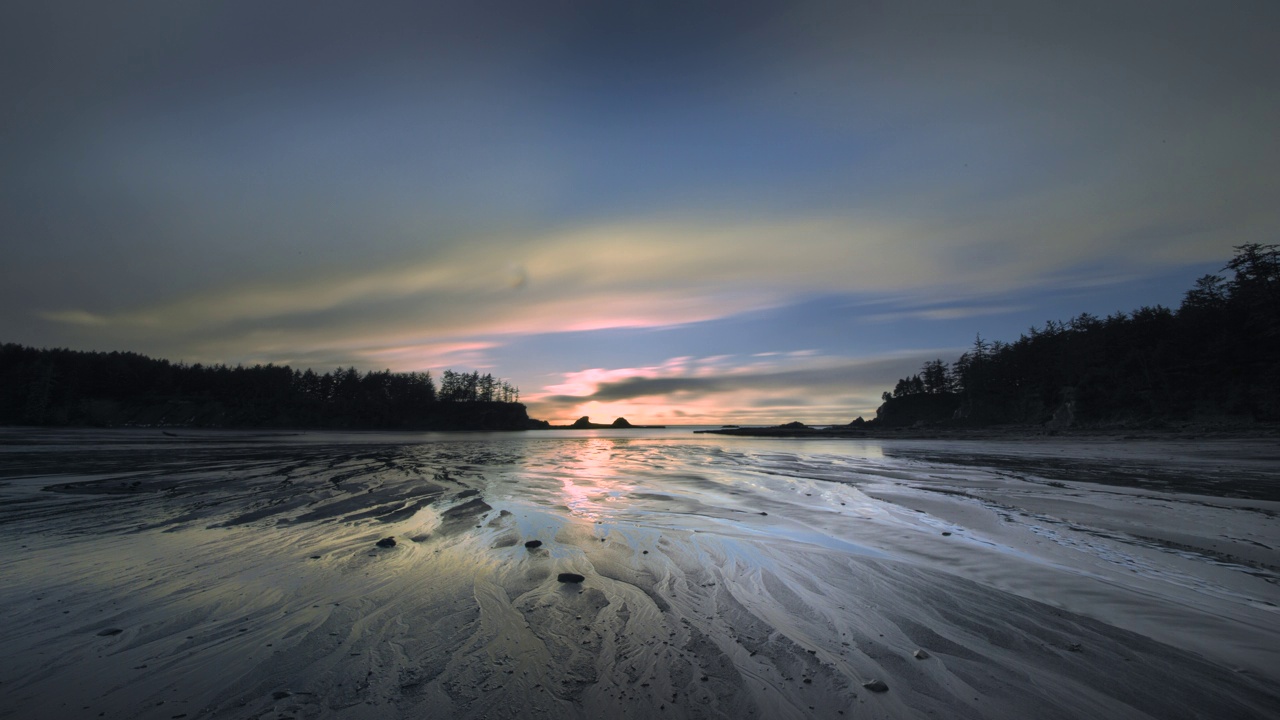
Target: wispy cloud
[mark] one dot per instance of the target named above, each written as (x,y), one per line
(944,313)
(614,275)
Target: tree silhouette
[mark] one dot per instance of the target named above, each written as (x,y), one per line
(65,387)
(1218,354)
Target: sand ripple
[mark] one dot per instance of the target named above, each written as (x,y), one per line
(721,579)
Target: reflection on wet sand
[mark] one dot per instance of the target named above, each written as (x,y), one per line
(721,578)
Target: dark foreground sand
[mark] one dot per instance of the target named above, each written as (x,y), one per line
(225,575)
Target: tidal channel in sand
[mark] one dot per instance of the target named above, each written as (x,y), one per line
(237,575)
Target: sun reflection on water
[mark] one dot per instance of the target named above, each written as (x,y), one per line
(592,479)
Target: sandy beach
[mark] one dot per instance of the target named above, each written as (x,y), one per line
(239,575)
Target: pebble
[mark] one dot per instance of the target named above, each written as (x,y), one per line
(387,542)
(920,654)
(533,544)
(570,578)
(876,686)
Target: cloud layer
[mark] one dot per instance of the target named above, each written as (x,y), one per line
(422,185)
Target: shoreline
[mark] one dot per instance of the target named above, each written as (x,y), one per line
(1187,431)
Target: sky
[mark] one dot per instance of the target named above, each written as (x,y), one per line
(676,212)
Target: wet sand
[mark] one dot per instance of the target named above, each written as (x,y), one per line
(238,575)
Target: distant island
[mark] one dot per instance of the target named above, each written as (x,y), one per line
(1214,361)
(584,423)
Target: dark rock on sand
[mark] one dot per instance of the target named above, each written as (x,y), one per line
(570,578)
(109,631)
(876,686)
(533,544)
(920,654)
(387,542)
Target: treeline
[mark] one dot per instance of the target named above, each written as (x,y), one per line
(1217,355)
(68,387)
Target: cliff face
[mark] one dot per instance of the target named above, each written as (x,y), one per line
(490,416)
(925,408)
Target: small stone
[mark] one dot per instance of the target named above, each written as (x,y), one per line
(280,694)
(876,686)
(763,513)
(945,533)
(570,578)
(387,542)
(533,544)
(109,632)
(920,654)
(808,681)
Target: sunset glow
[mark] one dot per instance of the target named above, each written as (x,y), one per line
(622,213)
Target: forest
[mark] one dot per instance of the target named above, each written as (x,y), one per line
(1217,356)
(109,389)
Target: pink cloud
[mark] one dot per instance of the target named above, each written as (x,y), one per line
(797,385)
